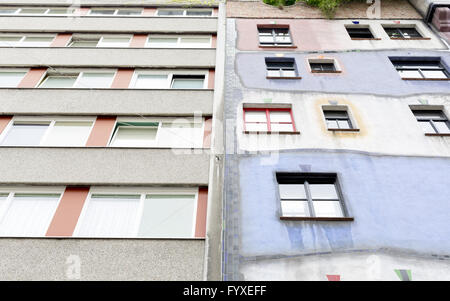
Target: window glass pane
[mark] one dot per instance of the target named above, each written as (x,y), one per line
(10,79)
(393,33)
(135,136)
(7,11)
(274,73)
(29,214)
(180,135)
(266,39)
(57,11)
(179,82)
(280,116)
(7,41)
(95,80)
(294,208)
(410,33)
(442,127)
(256,127)
(37,41)
(33,11)
(59,82)
(344,124)
(102,11)
(409,73)
(360,33)
(328,209)
(84,43)
(332,124)
(292,191)
(25,134)
(323,191)
(289,73)
(434,74)
(168,216)
(281,127)
(427,127)
(129,12)
(114,42)
(162,42)
(255,116)
(3,197)
(170,12)
(145,81)
(65,133)
(195,42)
(110,215)
(430,114)
(198,12)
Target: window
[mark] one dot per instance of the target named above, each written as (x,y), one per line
(171,41)
(268,120)
(337,120)
(310,196)
(322,67)
(281,67)
(9,40)
(83,42)
(420,69)
(183,133)
(26,214)
(147,214)
(115,12)
(114,41)
(46,132)
(85,79)
(274,36)
(34,11)
(184,12)
(433,122)
(11,78)
(359,32)
(402,32)
(156,80)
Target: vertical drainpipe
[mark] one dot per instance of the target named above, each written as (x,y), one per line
(212,270)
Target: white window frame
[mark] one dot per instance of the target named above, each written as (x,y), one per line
(116,12)
(170,75)
(80,73)
(24,36)
(51,120)
(178,44)
(160,121)
(12,190)
(143,192)
(26,70)
(184,12)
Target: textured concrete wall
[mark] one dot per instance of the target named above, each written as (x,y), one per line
(103,166)
(108,57)
(354,266)
(109,24)
(358,9)
(106,102)
(377,76)
(331,35)
(386,124)
(101,259)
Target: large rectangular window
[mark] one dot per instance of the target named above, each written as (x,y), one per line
(433,122)
(115,12)
(310,196)
(84,79)
(274,36)
(183,41)
(420,69)
(24,213)
(162,80)
(28,131)
(268,120)
(18,40)
(156,214)
(11,78)
(402,32)
(183,133)
(176,12)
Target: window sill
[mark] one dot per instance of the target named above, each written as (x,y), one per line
(410,39)
(277,46)
(315,71)
(344,130)
(284,77)
(427,79)
(362,39)
(271,133)
(438,134)
(307,218)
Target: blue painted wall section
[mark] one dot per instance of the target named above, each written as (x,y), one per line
(363,72)
(400,203)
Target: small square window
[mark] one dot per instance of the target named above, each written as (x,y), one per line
(337,120)
(433,121)
(274,37)
(310,195)
(322,67)
(268,120)
(282,68)
(402,32)
(359,32)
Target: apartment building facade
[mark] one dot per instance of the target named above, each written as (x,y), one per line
(107,135)
(337,144)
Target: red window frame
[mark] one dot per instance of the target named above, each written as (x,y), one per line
(269,123)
